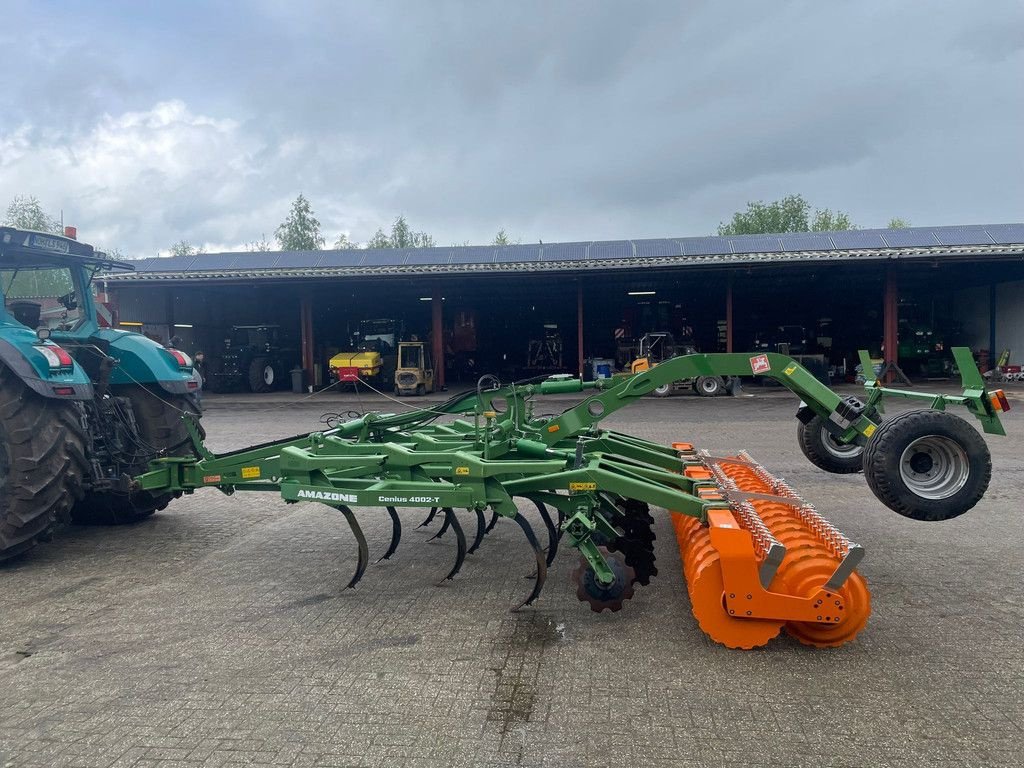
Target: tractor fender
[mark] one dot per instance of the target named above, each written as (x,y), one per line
(144,361)
(19,355)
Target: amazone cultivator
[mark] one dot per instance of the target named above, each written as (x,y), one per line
(757,557)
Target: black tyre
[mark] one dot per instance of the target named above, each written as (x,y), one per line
(263,376)
(42,464)
(709,386)
(927,465)
(663,391)
(827,453)
(420,390)
(161,432)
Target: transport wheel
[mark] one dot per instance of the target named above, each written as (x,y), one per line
(262,376)
(827,453)
(663,391)
(42,464)
(927,465)
(161,431)
(708,386)
(599,596)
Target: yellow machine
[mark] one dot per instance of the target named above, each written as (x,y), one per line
(350,367)
(414,374)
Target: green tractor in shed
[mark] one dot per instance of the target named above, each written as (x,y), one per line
(83,408)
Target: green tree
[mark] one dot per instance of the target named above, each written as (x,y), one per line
(402,236)
(502,238)
(343,243)
(26,212)
(259,246)
(898,223)
(790,214)
(379,240)
(301,230)
(185,248)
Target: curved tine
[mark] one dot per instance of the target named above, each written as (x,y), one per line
(396,533)
(552,532)
(444,526)
(494,522)
(364,550)
(542,566)
(480,530)
(430,518)
(460,538)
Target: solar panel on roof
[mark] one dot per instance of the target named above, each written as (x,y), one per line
(473,255)
(338,259)
(616,249)
(755,244)
(858,238)
(704,246)
(382,257)
(653,249)
(565,252)
(427,256)
(961,235)
(298,259)
(809,241)
(517,254)
(909,238)
(1006,233)
(207,261)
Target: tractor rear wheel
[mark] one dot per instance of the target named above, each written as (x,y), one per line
(927,465)
(161,432)
(708,386)
(262,375)
(42,464)
(827,453)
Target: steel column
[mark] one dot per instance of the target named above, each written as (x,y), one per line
(728,315)
(579,328)
(437,336)
(993,354)
(890,322)
(306,329)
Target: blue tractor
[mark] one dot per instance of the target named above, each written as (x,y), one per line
(83,408)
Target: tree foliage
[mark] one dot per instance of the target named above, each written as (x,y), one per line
(790,214)
(402,236)
(259,246)
(898,223)
(343,243)
(502,238)
(301,230)
(26,212)
(185,248)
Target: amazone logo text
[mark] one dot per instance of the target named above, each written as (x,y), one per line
(348,498)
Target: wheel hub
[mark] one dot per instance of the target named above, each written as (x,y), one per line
(934,467)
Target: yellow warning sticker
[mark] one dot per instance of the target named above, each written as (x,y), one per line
(789,371)
(250,473)
(462,470)
(869,430)
(554,428)
(582,486)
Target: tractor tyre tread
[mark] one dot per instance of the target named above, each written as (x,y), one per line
(42,464)
(811,444)
(884,451)
(255,378)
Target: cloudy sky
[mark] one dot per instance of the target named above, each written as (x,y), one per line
(153,122)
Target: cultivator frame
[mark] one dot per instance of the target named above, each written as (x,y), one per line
(729,512)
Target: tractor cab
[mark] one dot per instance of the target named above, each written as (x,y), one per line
(414,374)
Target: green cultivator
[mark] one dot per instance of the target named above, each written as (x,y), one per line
(757,557)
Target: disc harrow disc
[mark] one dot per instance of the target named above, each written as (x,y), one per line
(601,597)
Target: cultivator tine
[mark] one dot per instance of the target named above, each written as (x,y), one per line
(460,537)
(430,518)
(481,529)
(542,566)
(494,522)
(364,550)
(444,527)
(552,549)
(396,533)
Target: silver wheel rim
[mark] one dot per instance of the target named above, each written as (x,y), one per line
(838,449)
(934,467)
(663,389)
(268,375)
(710,386)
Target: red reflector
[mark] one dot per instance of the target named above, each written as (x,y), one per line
(999,401)
(192,385)
(64,357)
(63,390)
(183,362)
(348,374)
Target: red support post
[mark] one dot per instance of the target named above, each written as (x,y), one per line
(728,315)
(890,323)
(437,336)
(579,327)
(306,328)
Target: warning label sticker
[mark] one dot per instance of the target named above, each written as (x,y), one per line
(760,364)
(250,473)
(582,486)
(211,478)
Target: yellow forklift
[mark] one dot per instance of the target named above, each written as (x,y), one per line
(414,374)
